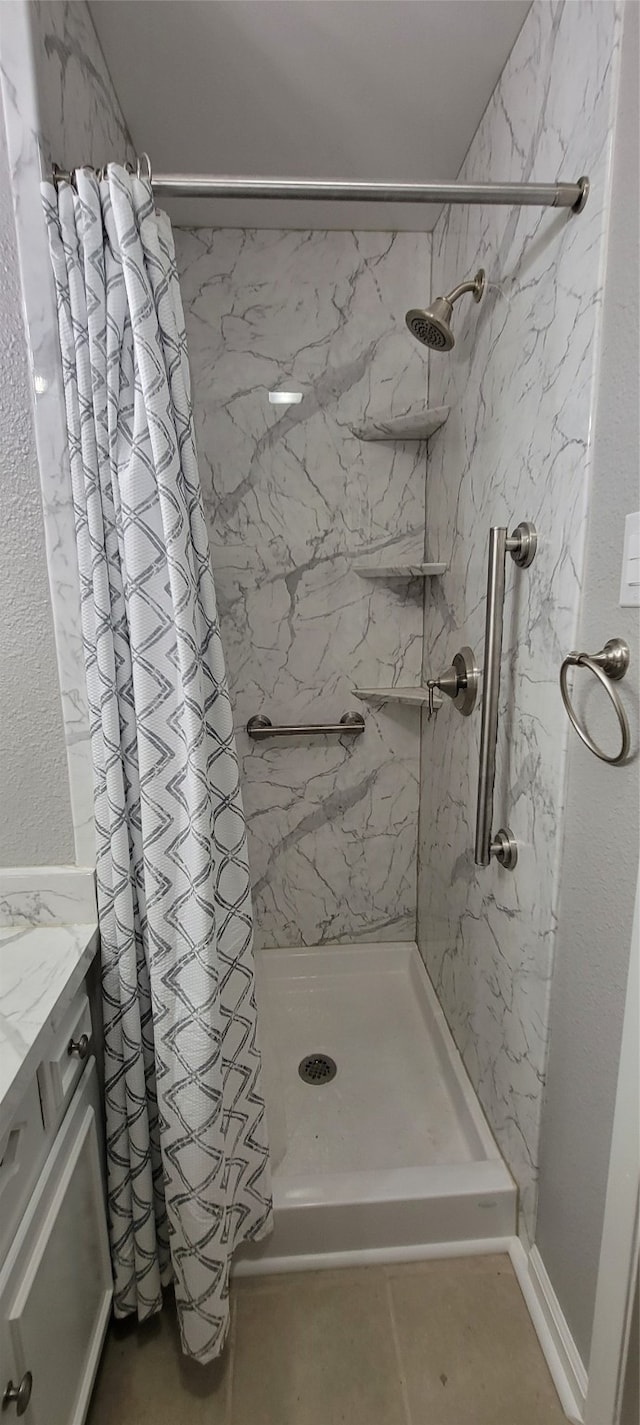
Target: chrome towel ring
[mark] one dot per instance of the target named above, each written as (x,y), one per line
(609,665)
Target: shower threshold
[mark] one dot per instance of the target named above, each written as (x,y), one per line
(391,1158)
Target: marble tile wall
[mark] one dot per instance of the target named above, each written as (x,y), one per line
(79,113)
(520,382)
(292,498)
(59,105)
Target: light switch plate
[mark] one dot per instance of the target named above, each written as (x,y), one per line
(630,580)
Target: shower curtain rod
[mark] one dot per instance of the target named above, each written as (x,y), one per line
(203,185)
(543,195)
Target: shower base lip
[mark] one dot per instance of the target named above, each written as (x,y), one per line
(372,1256)
(394,1215)
(364,1212)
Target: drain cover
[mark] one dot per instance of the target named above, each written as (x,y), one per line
(317,1069)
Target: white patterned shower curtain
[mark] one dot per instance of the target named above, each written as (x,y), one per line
(187,1155)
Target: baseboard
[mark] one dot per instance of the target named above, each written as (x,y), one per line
(558,1346)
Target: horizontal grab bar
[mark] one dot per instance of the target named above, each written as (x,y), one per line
(259,727)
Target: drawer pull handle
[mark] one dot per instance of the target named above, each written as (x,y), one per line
(80,1046)
(19,1395)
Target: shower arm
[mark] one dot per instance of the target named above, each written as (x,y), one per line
(459,291)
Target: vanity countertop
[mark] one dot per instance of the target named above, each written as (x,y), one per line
(41,967)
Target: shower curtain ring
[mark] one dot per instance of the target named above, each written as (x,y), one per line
(144,172)
(60,175)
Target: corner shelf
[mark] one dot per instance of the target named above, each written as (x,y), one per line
(399,571)
(413,697)
(416,425)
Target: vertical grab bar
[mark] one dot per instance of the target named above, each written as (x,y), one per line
(521,545)
(490,691)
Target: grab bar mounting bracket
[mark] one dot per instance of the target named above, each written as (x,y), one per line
(505,848)
(522,544)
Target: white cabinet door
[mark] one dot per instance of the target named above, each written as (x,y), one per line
(55,1290)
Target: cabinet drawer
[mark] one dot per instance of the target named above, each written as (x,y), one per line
(60,1071)
(22,1150)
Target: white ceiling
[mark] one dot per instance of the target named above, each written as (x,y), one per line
(389,90)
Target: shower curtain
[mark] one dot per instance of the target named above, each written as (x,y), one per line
(187,1154)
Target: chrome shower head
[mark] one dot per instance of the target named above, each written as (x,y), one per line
(432,326)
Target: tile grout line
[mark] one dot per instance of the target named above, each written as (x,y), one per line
(396,1345)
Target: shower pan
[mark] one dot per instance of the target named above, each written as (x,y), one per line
(379,1146)
(390,1157)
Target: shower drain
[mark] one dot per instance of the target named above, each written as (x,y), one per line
(317,1069)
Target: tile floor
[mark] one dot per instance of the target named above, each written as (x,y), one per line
(427,1343)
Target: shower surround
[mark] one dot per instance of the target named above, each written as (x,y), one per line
(333,826)
(293,498)
(521,383)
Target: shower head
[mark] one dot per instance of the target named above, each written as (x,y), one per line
(433,325)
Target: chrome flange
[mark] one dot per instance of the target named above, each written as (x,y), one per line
(505,848)
(468,674)
(522,544)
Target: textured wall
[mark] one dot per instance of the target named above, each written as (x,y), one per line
(36,821)
(520,382)
(600,855)
(292,498)
(58,99)
(35,827)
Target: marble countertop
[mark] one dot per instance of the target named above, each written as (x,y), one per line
(41,967)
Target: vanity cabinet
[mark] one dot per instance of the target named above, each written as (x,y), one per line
(55,1277)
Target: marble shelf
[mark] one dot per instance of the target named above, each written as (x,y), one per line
(412,697)
(415,425)
(399,571)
